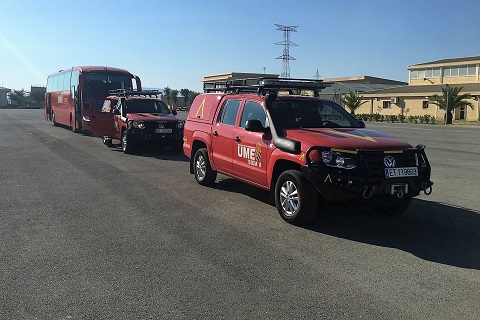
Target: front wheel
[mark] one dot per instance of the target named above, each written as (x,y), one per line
(295,198)
(204,174)
(127,146)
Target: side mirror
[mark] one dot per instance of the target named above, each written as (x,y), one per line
(174,112)
(254,125)
(116,112)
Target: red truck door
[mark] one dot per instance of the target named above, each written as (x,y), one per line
(222,135)
(251,148)
(100,117)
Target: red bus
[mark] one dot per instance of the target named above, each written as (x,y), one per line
(75,96)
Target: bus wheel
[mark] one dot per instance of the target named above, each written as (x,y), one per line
(127,146)
(53,119)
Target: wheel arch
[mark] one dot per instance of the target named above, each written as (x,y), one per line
(282,165)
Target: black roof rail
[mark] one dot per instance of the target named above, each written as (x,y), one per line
(264,85)
(127,93)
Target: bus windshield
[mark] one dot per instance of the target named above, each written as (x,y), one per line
(100,84)
(147,106)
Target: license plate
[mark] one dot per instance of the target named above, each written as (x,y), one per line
(163,130)
(401,172)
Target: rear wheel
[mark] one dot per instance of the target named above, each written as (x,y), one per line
(127,146)
(177,146)
(108,142)
(295,198)
(54,120)
(201,168)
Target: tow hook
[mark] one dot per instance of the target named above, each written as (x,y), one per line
(368,192)
(400,194)
(427,188)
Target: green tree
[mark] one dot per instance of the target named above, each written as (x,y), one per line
(19,97)
(186,96)
(166,93)
(352,101)
(174,97)
(449,100)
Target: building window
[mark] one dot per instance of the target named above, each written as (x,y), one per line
(387,105)
(432,73)
(425,104)
(460,71)
(414,74)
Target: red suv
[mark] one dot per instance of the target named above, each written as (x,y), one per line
(302,148)
(140,117)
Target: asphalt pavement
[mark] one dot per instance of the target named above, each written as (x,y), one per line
(88,232)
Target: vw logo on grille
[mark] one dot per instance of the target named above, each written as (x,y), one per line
(161,125)
(389,162)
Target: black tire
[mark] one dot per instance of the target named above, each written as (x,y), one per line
(177,146)
(108,142)
(295,198)
(201,168)
(127,146)
(55,124)
(395,208)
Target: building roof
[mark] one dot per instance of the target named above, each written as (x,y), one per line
(5,89)
(365,80)
(421,90)
(447,61)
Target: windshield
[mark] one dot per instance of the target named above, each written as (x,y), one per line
(148,106)
(98,85)
(296,114)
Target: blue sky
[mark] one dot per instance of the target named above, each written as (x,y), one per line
(176,43)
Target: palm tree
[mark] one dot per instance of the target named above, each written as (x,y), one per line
(352,101)
(174,97)
(450,100)
(166,93)
(186,96)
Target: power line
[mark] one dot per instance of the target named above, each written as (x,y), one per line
(286,43)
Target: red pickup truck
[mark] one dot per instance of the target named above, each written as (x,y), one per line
(140,117)
(303,149)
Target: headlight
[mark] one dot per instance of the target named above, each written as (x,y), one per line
(180,125)
(86,118)
(338,160)
(138,125)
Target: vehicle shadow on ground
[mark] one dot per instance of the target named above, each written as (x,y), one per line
(431,231)
(157,152)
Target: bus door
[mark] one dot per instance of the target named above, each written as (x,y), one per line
(77,115)
(98,118)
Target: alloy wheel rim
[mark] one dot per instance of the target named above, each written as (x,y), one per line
(200,168)
(124,142)
(289,198)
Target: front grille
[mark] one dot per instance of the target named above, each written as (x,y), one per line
(373,161)
(166,124)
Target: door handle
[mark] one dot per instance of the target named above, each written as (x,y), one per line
(237,139)
(215,133)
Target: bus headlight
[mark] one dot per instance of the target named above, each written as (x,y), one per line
(138,125)
(86,118)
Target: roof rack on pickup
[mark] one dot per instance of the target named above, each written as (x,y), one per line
(127,93)
(265,85)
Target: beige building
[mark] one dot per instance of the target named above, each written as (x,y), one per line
(426,80)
